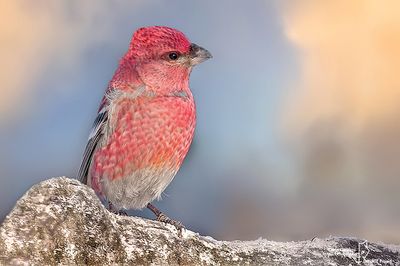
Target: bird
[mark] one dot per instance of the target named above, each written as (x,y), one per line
(145,122)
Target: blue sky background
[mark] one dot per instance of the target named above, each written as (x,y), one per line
(247,174)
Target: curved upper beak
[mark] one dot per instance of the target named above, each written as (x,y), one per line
(198,54)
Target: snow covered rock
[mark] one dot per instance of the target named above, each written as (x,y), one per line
(61,221)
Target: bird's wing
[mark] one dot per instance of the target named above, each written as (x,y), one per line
(94,138)
(99,126)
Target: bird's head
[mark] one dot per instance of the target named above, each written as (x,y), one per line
(164,55)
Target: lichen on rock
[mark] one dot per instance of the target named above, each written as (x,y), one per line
(61,221)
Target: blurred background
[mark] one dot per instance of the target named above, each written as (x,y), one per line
(298,112)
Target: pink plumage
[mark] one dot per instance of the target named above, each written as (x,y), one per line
(146,121)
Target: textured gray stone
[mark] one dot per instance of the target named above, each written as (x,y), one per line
(61,221)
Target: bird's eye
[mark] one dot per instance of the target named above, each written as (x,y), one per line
(173,55)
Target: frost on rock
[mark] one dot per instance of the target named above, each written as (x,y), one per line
(61,221)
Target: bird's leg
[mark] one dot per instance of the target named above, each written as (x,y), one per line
(112,209)
(164,218)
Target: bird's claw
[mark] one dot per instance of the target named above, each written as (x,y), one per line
(112,209)
(122,213)
(165,219)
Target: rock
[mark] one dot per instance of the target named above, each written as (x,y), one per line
(61,221)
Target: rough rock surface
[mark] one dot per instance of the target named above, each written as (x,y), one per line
(61,221)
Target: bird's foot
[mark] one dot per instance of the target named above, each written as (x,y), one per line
(122,213)
(161,217)
(114,210)
(165,219)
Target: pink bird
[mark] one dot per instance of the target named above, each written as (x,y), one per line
(145,122)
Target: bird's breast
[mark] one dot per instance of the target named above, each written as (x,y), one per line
(149,132)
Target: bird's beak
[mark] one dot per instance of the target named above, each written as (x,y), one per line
(198,54)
